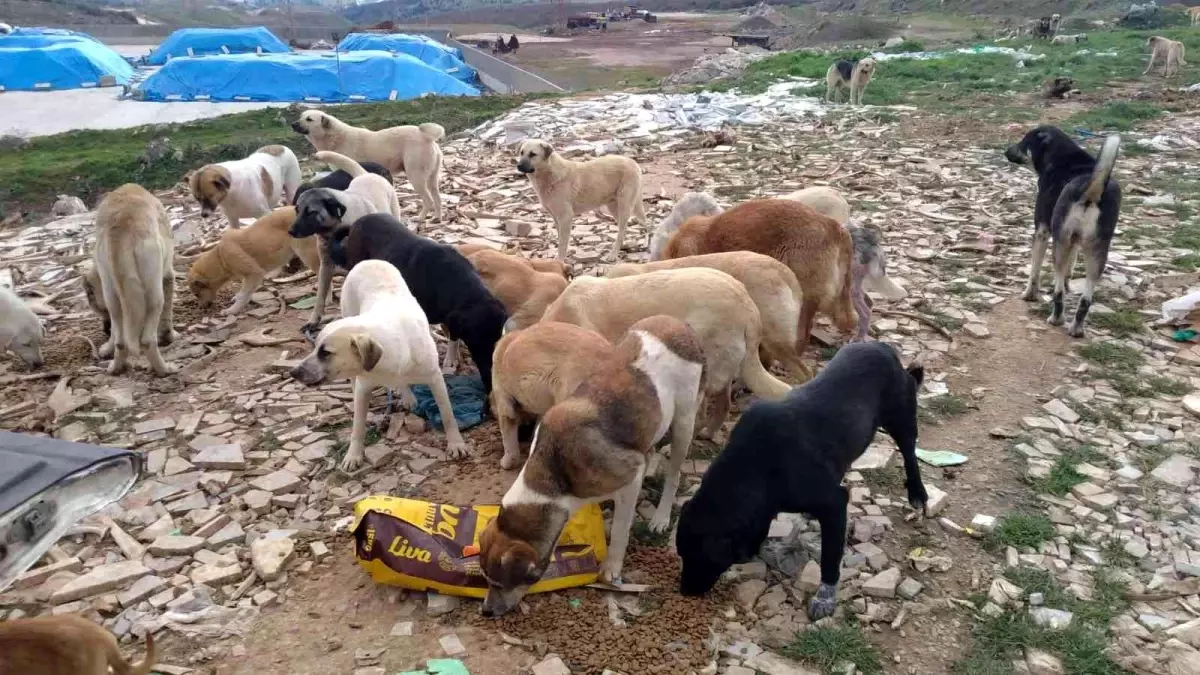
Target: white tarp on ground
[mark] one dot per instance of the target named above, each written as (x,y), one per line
(643,117)
(982,49)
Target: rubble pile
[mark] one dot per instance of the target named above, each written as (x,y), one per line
(709,67)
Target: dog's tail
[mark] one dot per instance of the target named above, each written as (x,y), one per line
(342,162)
(434,132)
(1103,170)
(122,667)
(754,374)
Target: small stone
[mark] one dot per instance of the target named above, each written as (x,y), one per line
(140,590)
(215,576)
(257,501)
(551,666)
(270,554)
(1154,622)
(1042,663)
(1054,619)
(265,598)
(937,500)
(222,457)
(319,550)
(1177,470)
(174,545)
(810,577)
(1191,403)
(1037,599)
(977,330)
(909,588)
(1061,411)
(402,629)
(277,483)
(875,556)
(149,427)
(1004,592)
(232,533)
(451,645)
(38,575)
(748,591)
(1137,548)
(438,604)
(982,523)
(883,585)
(100,580)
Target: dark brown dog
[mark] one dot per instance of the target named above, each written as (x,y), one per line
(816,248)
(65,645)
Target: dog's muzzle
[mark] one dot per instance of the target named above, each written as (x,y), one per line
(1016,154)
(306,374)
(298,128)
(524,166)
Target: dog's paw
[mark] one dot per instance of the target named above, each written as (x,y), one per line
(824,603)
(509,462)
(166,370)
(457,450)
(1031,295)
(660,522)
(233,310)
(167,338)
(1055,319)
(352,461)
(116,368)
(1076,330)
(917,497)
(610,571)
(106,350)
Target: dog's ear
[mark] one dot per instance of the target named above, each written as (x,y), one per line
(917,372)
(547,149)
(369,351)
(222,182)
(324,121)
(336,208)
(519,564)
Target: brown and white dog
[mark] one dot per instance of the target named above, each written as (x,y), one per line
(1170,52)
(535,368)
(131,284)
(568,188)
(249,255)
(816,248)
(65,645)
(771,285)
(716,307)
(247,188)
(591,447)
(853,75)
(411,150)
(524,291)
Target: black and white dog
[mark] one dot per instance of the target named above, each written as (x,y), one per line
(1077,208)
(790,456)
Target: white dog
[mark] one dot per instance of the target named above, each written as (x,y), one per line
(20,329)
(382,339)
(567,188)
(247,188)
(411,150)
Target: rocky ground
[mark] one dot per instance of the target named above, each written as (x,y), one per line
(1068,542)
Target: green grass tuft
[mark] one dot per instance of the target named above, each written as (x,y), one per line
(1118,357)
(1121,322)
(1115,115)
(826,647)
(1022,530)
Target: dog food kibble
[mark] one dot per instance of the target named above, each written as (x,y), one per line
(667,636)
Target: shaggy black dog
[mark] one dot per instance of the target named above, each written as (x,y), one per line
(790,456)
(444,282)
(1077,207)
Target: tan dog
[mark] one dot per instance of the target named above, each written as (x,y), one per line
(824,200)
(771,285)
(524,291)
(854,75)
(249,255)
(1194,13)
(716,307)
(593,446)
(535,368)
(247,188)
(132,283)
(539,264)
(65,645)
(567,188)
(816,248)
(1170,52)
(412,150)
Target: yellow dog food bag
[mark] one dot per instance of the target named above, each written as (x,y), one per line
(420,546)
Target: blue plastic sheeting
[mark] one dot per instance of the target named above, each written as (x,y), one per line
(45,58)
(443,57)
(360,76)
(214,41)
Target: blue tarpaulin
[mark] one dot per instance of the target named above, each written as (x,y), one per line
(443,57)
(355,76)
(214,41)
(47,58)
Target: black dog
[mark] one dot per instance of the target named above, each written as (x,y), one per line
(790,456)
(340,180)
(444,282)
(1077,208)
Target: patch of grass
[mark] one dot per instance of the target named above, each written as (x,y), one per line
(328,427)
(1038,580)
(1187,235)
(1022,530)
(826,647)
(1062,478)
(908,46)
(372,435)
(946,321)
(939,407)
(90,163)
(1112,355)
(829,352)
(1120,322)
(1140,386)
(1188,263)
(269,442)
(1100,415)
(1114,115)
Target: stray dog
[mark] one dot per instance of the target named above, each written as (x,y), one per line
(133,285)
(1057,87)
(1069,39)
(854,75)
(382,339)
(567,188)
(444,283)
(340,180)
(411,150)
(869,272)
(20,329)
(792,456)
(1194,13)
(539,264)
(246,188)
(1077,207)
(716,306)
(320,211)
(1170,52)
(536,368)
(250,255)
(772,287)
(592,447)
(813,246)
(65,645)
(524,291)
(824,200)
